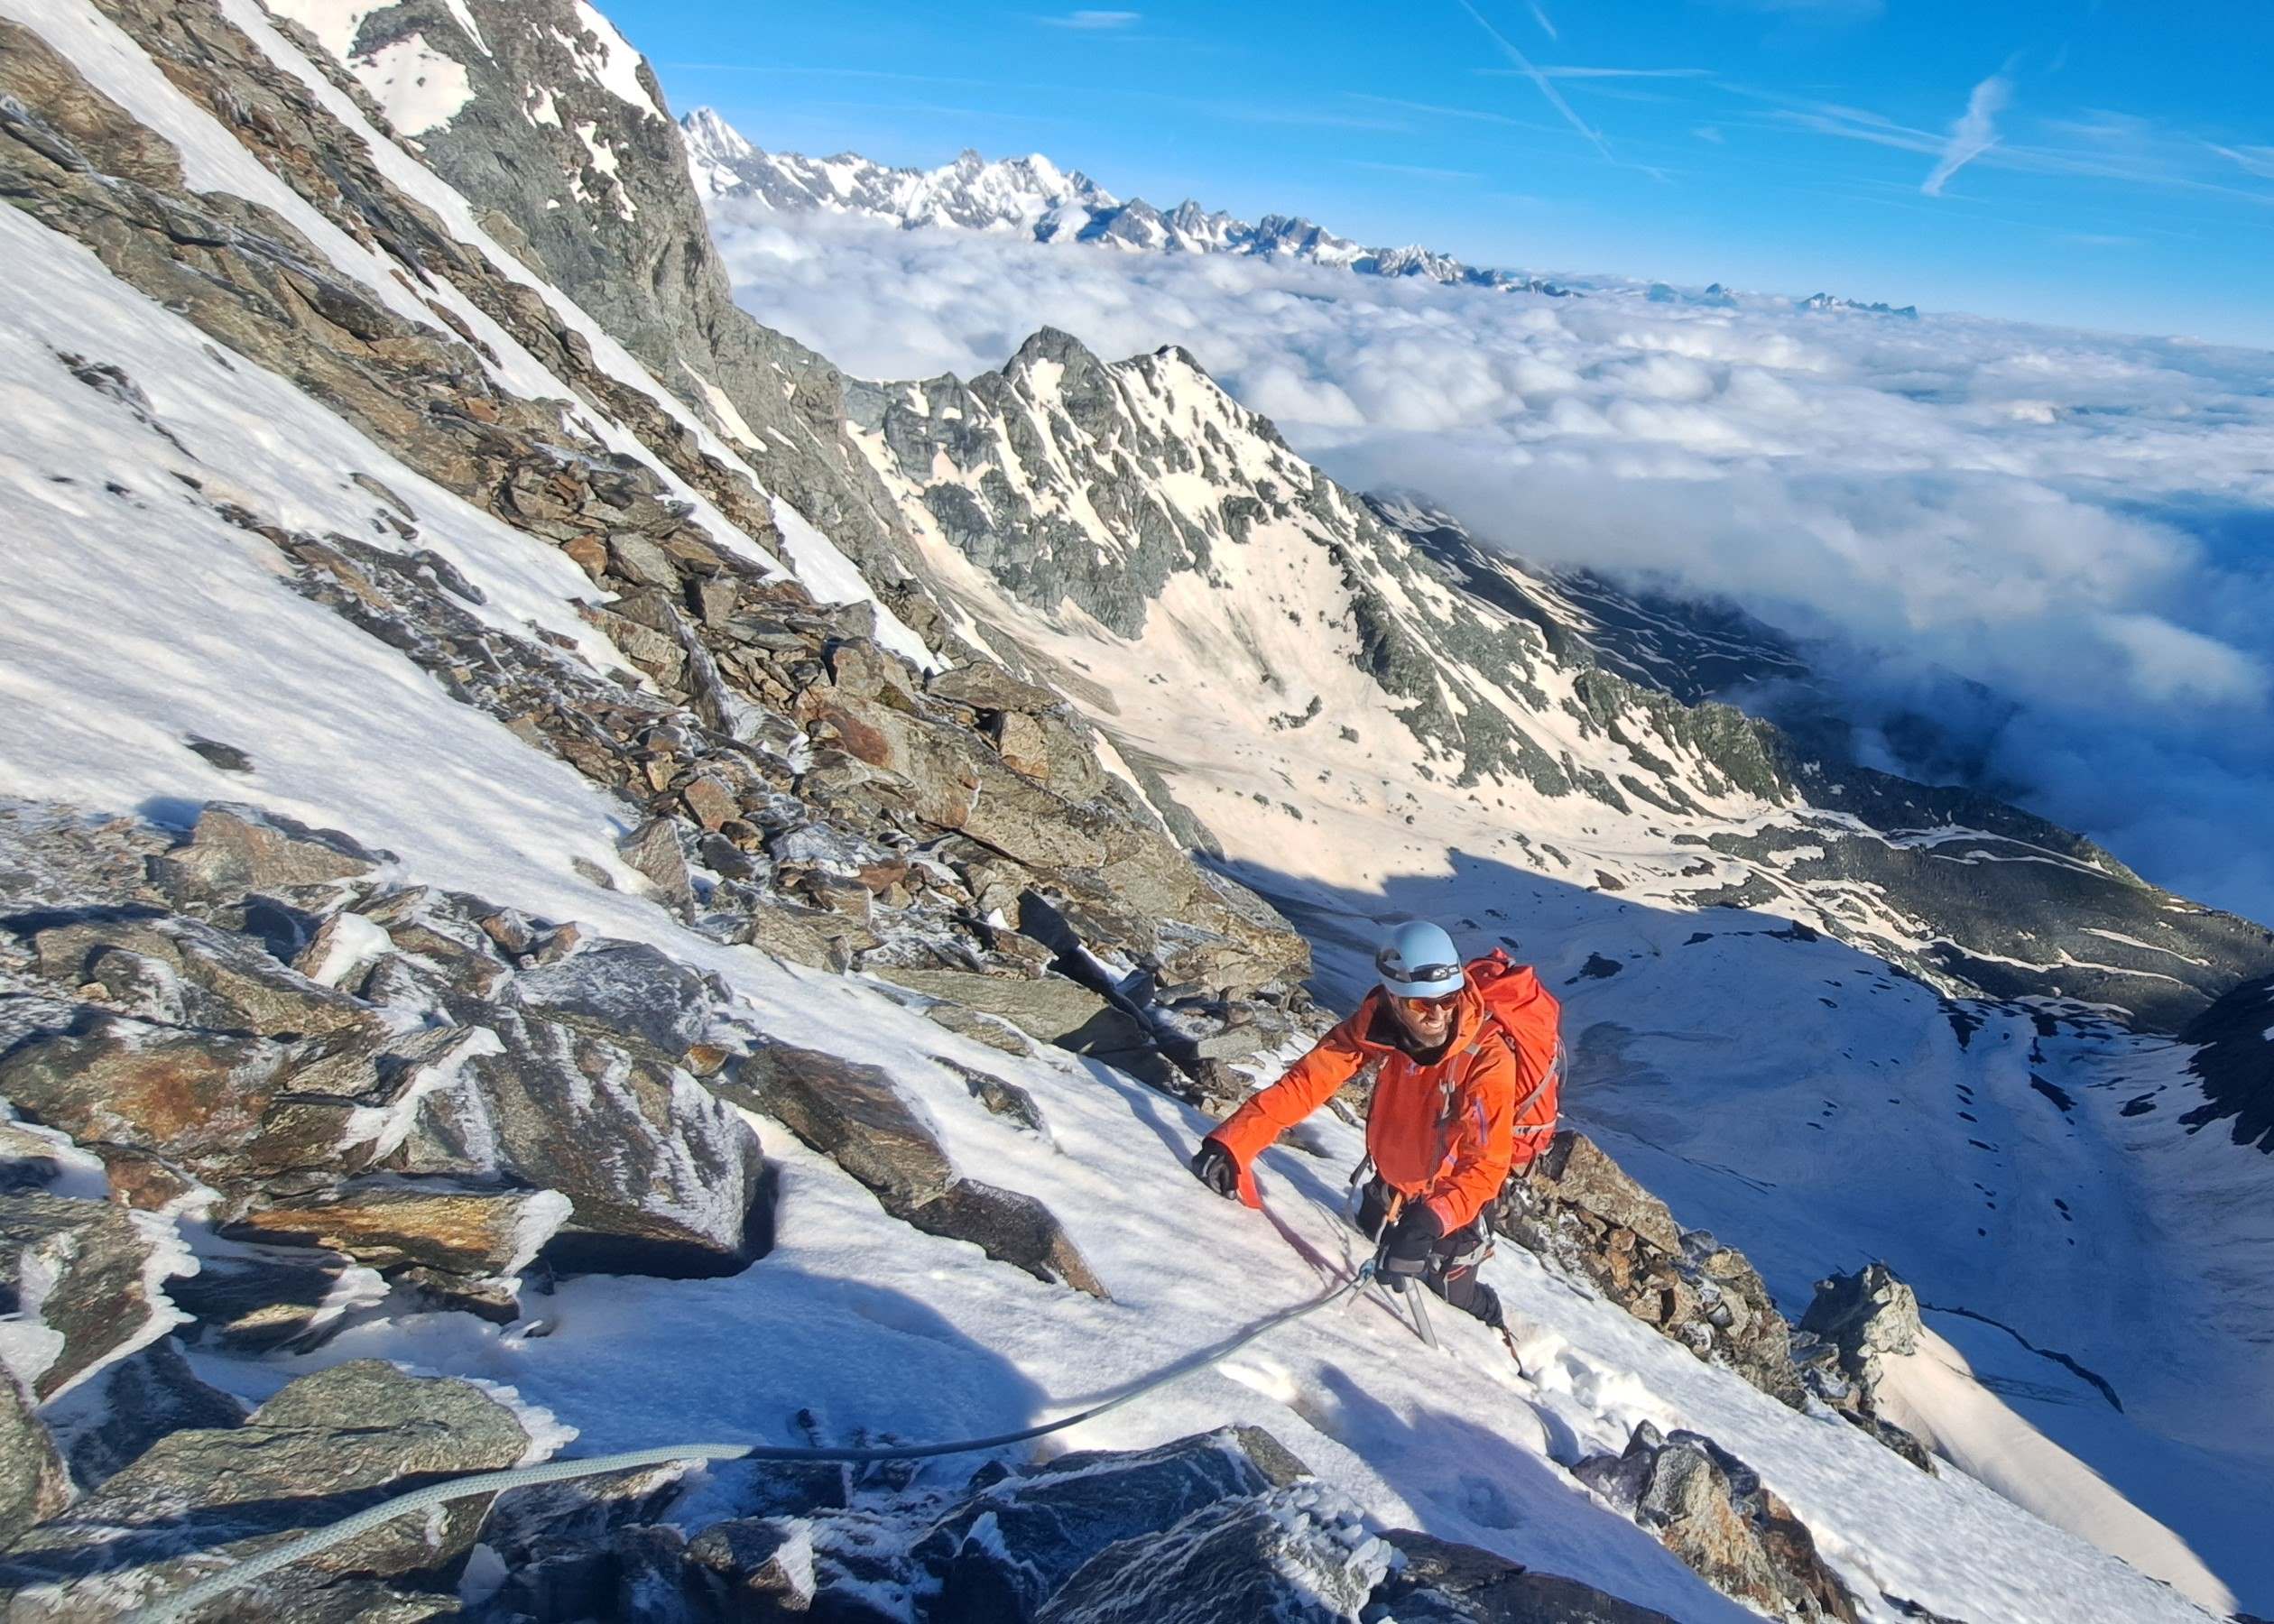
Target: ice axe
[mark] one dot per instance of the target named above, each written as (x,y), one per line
(1377,1276)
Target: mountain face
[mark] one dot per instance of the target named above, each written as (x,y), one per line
(1139,497)
(548,837)
(1033,196)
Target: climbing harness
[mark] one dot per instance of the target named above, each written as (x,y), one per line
(243,1572)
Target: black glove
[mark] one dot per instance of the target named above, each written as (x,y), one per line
(1407,1250)
(1213,1166)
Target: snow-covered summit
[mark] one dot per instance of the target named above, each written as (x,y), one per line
(1033,196)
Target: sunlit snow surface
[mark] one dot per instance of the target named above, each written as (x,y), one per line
(138,616)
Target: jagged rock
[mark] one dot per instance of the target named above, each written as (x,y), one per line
(653,850)
(851,1113)
(1051,1009)
(1576,1172)
(157,969)
(33,1484)
(1020,740)
(621,990)
(1864,1317)
(234,849)
(428,1222)
(1579,1208)
(202,1495)
(106,1423)
(1300,1554)
(264,1302)
(87,1274)
(1713,1511)
(758,1567)
(1006,1550)
(188,1095)
(1440,1582)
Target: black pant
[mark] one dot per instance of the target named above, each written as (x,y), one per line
(1453,1261)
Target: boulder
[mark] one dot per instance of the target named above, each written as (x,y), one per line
(81,1277)
(1006,1100)
(662,1176)
(851,1113)
(160,969)
(191,1096)
(653,851)
(234,849)
(1713,1511)
(855,1115)
(1295,1556)
(1003,1552)
(1441,1582)
(1020,740)
(1012,1228)
(621,990)
(324,1445)
(33,1484)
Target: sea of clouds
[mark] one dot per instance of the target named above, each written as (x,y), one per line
(2059,545)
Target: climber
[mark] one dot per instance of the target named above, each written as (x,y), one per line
(1467,1071)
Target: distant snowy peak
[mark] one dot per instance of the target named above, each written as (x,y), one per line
(1827,301)
(1034,197)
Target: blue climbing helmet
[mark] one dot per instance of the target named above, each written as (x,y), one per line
(1418,960)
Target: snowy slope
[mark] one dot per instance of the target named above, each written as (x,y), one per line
(142,611)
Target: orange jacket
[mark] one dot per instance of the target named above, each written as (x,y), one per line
(1451,1146)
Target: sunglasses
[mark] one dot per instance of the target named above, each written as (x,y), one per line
(1423,1006)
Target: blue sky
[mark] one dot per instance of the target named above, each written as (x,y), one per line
(2123,175)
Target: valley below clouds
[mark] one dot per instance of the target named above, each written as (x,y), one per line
(2057,547)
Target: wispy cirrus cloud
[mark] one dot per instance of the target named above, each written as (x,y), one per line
(1419,171)
(1093,22)
(1974,133)
(1523,65)
(1564,71)
(2256,159)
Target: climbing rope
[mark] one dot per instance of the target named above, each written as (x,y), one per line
(239,1575)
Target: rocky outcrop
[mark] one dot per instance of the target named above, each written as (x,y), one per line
(1713,1511)
(416,1097)
(1579,1209)
(1854,1323)
(325,1444)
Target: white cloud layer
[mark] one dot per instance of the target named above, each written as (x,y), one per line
(2083,524)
